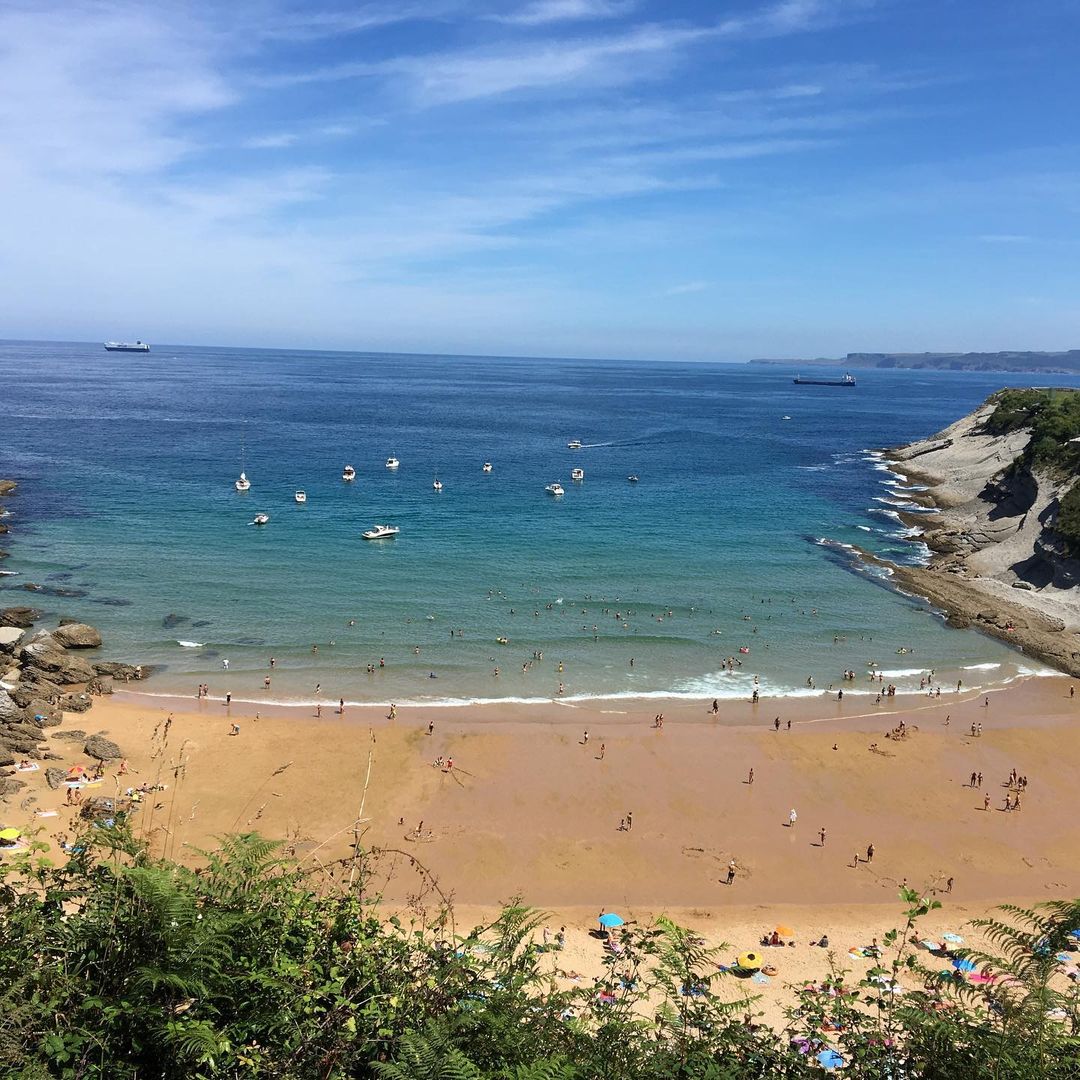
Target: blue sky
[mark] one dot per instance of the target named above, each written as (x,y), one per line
(676,180)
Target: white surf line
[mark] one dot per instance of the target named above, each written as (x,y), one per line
(938,704)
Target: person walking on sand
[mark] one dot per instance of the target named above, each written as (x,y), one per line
(431,727)
(776,723)
(629,820)
(393,712)
(449,764)
(855,861)
(318,709)
(731,872)
(948,885)
(986,801)
(603,748)
(870,852)
(978,779)
(792,818)
(341,706)
(972,784)
(750,778)
(585,738)
(821,835)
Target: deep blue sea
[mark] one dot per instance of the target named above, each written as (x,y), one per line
(126,465)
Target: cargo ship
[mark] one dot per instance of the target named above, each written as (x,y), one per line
(127,346)
(817,380)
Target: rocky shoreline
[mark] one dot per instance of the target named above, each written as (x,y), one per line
(995,564)
(43,675)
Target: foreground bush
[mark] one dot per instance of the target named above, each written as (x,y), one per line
(125,967)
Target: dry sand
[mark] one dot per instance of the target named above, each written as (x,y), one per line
(530,811)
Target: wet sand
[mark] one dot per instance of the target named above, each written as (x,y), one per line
(530,811)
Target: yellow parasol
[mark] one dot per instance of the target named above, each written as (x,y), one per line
(785,931)
(10,834)
(749,961)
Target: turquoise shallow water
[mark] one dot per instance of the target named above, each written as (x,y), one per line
(127,465)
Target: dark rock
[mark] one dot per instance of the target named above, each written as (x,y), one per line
(38,712)
(34,687)
(77,635)
(54,777)
(69,735)
(7,487)
(76,702)
(23,617)
(20,738)
(97,746)
(124,672)
(101,686)
(110,601)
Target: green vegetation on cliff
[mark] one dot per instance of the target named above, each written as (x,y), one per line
(1053,417)
(123,966)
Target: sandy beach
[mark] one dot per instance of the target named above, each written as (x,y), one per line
(530,810)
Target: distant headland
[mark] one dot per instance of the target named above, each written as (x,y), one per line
(1051,363)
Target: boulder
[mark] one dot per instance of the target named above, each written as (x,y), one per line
(34,687)
(10,785)
(77,635)
(54,777)
(124,672)
(70,735)
(22,616)
(97,746)
(9,708)
(9,637)
(101,686)
(46,655)
(37,712)
(20,738)
(7,487)
(75,702)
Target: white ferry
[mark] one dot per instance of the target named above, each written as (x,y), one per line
(127,346)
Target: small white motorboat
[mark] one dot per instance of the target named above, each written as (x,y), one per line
(243,484)
(437,485)
(392,462)
(632,478)
(301,496)
(381,532)
(260,519)
(577,474)
(555,489)
(785,417)
(348,473)
(574,444)
(487,466)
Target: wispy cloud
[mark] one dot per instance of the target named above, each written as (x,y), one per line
(1005,238)
(543,12)
(686,287)
(278,141)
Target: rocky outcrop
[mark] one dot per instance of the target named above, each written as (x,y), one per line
(22,616)
(77,635)
(97,746)
(996,564)
(7,487)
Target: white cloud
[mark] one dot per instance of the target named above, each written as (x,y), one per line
(543,12)
(686,287)
(270,142)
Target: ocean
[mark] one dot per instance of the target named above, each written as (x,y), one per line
(127,515)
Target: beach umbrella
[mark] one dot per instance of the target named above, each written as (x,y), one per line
(953,939)
(964,965)
(610,919)
(749,961)
(1075,934)
(830,1059)
(785,931)
(10,834)
(933,946)
(76,770)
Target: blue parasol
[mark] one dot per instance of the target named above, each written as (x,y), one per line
(830,1059)
(610,919)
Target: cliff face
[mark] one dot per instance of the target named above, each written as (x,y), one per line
(997,562)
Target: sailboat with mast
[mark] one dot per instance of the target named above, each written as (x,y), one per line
(242,483)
